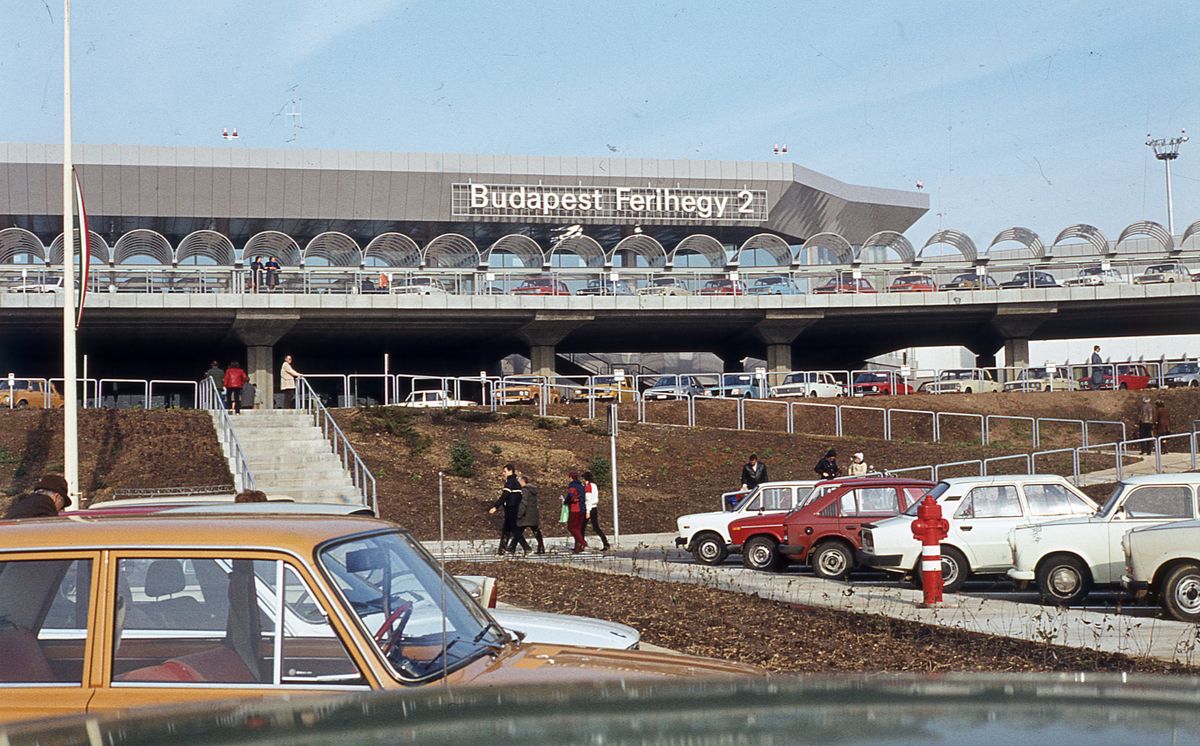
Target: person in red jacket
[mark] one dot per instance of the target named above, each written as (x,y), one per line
(235,379)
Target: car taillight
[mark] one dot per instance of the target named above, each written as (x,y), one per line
(867,541)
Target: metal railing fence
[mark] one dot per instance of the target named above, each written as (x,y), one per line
(360,476)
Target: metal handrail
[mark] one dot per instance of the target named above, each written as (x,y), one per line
(360,476)
(211,399)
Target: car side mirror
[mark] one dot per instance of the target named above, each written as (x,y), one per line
(1120,514)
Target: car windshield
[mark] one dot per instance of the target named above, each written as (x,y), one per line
(537,283)
(1089,271)
(966,278)
(736,380)
(871,378)
(1113,499)
(936,493)
(665,283)
(911,280)
(1183,368)
(392,587)
(666,381)
(1161,268)
(604,379)
(795,378)
(718,283)
(956,375)
(770,281)
(1035,373)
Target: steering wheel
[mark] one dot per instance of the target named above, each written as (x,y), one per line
(392,626)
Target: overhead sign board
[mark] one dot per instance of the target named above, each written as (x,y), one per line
(582,202)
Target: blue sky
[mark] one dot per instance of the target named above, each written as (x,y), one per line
(1012,113)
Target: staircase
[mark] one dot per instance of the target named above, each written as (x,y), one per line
(287,454)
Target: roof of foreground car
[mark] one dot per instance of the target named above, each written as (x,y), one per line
(1185,477)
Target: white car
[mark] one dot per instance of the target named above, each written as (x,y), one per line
(1160,273)
(434,399)
(1043,379)
(706,535)
(962,381)
(418,286)
(53,286)
(810,385)
(982,511)
(1068,558)
(1095,276)
(1164,562)
(665,286)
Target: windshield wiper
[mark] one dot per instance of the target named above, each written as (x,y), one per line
(483,632)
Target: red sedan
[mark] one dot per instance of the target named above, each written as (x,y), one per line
(542,286)
(845,285)
(913,284)
(723,287)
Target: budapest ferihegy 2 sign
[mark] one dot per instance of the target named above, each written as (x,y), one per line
(582,202)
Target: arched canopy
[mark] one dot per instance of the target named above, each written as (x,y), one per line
(1023,236)
(525,249)
(333,249)
(889,241)
(955,239)
(393,250)
(832,243)
(1087,233)
(272,244)
(584,247)
(18,242)
(452,251)
(143,242)
(641,245)
(777,250)
(1192,230)
(97,247)
(703,245)
(210,245)
(1149,229)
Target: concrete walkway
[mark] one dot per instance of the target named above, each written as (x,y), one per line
(1172,463)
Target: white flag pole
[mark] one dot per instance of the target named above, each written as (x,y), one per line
(70,411)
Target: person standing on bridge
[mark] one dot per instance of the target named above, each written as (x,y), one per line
(1097,368)
(287,382)
(1145,425)
(256,274)
(1162,423)
(273,267)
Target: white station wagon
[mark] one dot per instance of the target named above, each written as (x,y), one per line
(982,511)
(706,535)
(809,384)
(1068,558)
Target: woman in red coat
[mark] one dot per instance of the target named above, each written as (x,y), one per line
(576,513)
(235,379)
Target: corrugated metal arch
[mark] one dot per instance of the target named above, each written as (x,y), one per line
(99,248)
(335,248)
(891,241)
(584,247)
(1192,230)
(209,245)
(1089,233)
(272,244)
(1023,236)
(957,240)
(143,242)
(775,247)
(524,248)
(831,242)
(703,245)
(15,242)
(451,251)
(1150,229)
(644,246)
(392,250)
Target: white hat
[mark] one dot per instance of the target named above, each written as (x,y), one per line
(859,456)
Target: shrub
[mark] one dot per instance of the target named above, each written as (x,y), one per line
(545,423)
(393,421)
(477,415)
(600,468)
(462,458)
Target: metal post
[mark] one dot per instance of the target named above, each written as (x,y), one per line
(85,381)
(386,387)
(442,565)
(612,468)
(70,406)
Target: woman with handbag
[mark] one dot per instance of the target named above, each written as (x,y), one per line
(573,506)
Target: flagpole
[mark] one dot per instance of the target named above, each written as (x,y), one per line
(70,411)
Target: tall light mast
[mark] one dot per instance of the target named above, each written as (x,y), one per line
(70,406)
(1166,149)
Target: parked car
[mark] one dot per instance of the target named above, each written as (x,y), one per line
(433,398)
(972,281)
(418,286)
(528,390)
(1043,379)
(706,535)
(29,393)
(1031,279)
(665,286)
(981,511)
(879,383)
(608,388)
(913,283)
(1163,563)
(826,530)
(962,381)
(673,387)
(606,287)
(542,286)
(775,285)
(47,286)
(810,384)
(845,284)
(723,287)
(1068,558)
(1129,376)
(185,609)
(1182,374)
(1093,276)
(1163,273)
(740,385)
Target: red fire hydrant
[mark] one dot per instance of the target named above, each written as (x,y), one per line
(929,529)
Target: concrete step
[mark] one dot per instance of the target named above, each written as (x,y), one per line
(343,496)
(321,478)
(249,437)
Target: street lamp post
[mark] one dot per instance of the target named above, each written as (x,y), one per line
(70,413)
(1166,149)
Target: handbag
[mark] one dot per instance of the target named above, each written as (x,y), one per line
(564,514)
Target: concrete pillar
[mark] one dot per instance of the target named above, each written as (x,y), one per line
(542,360)
(779,358)
(260,366)
(259,331)
(544,333)
(1016,353)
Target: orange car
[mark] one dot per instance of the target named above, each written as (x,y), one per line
(112,612)
(29,393)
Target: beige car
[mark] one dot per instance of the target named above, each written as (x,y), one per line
(29,393)
(1164,563)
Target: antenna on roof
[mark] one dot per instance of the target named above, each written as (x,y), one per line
(227,135)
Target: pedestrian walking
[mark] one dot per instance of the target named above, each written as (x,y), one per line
(1145,425)
(217,374)
(273,268)
(235,379)
(858,466)
(1162,424)
(827,467)
(249,395)
(510,500)
(47,498)
(575,500)
(754,473)
(1097,368)
(528,515)
(287,382)
(592,505)
(256,274)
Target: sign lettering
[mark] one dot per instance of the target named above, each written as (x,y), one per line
(640,203)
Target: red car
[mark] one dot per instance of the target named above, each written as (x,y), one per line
(1129,376)
(723,287)
(845,284)
(826,531)
(542,286)
(913,284)
(873,383)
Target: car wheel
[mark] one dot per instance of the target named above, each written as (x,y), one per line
(955,569)
(761,553)
(23,404)
(967,390)
(1181,593)
(832,560)
(1123,386)
(1063,580)
(709,549)
(1193,384)
(812,394)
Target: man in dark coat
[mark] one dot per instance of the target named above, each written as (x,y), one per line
(47,498)
(827,467)
(528,516)
(510,500)
(1098,369)
(754,473)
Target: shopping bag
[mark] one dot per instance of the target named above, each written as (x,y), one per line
(563,514)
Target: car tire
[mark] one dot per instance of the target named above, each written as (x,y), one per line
(1193,384)
(1180,594)
(709,549)
(761,553)
(967,390)
(832,560)
(23,404)
(1063,580)
(812,394)
(1123,386)
(955,569)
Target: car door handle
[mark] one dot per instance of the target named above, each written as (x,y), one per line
(851,528)
(965,528)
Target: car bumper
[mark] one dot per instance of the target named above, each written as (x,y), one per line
(1026,575)
(680,541)
(1134,587)
(881,561)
